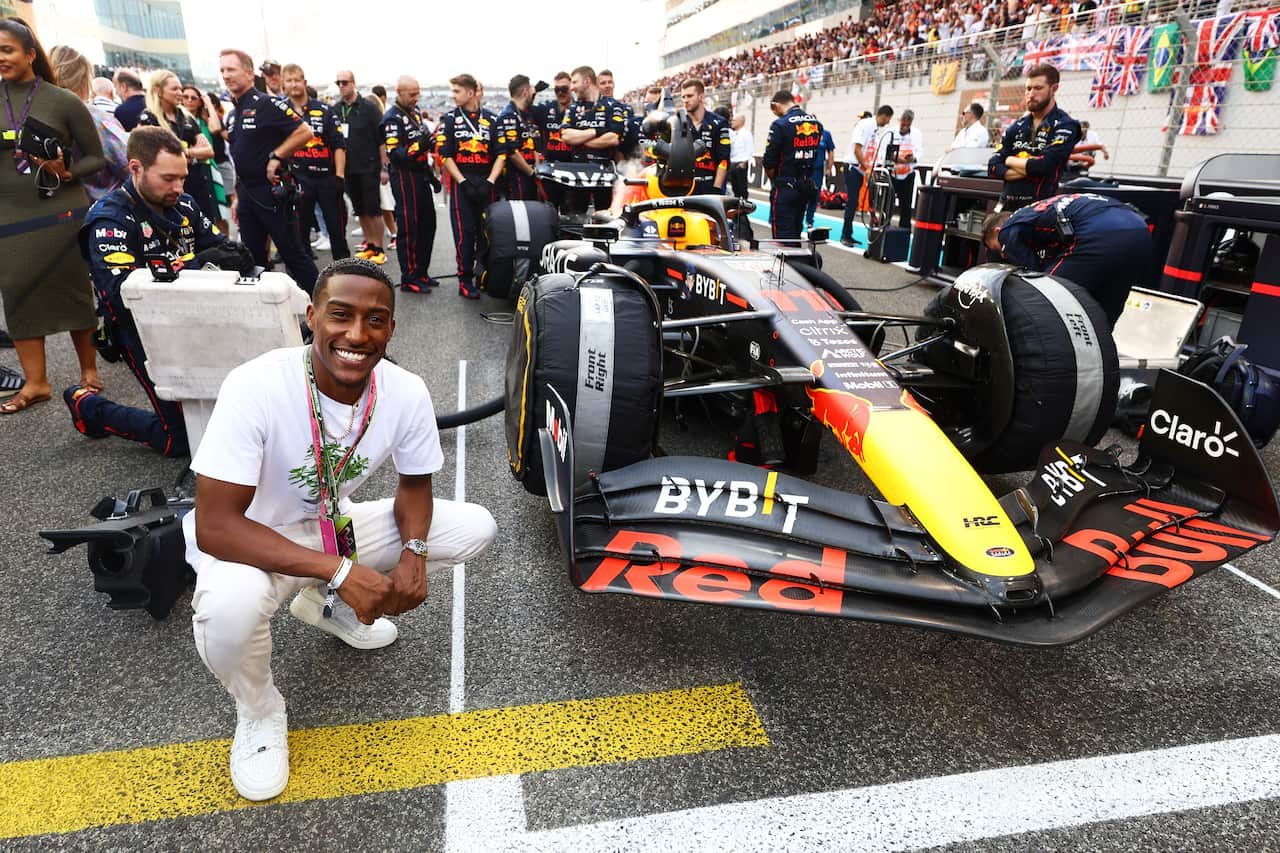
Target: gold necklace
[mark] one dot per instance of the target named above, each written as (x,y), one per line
(351,423)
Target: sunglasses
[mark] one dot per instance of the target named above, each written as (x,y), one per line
(342,82)
(561,89)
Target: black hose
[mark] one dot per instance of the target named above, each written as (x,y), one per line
(471,415)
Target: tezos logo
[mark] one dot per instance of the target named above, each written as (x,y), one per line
(1213,445)
(1000,551)
(742,499)
(982,521)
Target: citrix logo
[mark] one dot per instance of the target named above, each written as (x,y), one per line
(1213,445)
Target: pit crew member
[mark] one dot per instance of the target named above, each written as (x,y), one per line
(1101,244)
(519,140)
(551,117)
(467,143)
(319,166)
(593,129)
(408,145)
(1035,149)
(147,216)
(263,133)
(712,167)
(788,161)
(293,434)
(910,151)
(857,160)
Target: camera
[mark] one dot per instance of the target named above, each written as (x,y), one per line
(284,192)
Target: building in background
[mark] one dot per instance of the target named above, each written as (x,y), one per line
(144,34)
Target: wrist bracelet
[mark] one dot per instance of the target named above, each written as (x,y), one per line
(344,568)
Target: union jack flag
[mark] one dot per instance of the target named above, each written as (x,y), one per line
(1103,88)
(1084,53)
(1131,60)
(1217,44)
(1262,32)
(1037,52)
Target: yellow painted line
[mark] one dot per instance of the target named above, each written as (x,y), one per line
(77,792)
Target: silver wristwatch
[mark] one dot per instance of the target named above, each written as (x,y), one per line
(417,546)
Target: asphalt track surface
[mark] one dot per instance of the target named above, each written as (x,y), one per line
(609,722)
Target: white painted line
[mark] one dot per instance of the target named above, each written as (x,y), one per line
(484,815)
(1271,591)
(479,813)
(950,809)
(457,660)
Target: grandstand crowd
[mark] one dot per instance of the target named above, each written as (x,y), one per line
(945,26)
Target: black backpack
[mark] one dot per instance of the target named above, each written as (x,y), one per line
(1252,391)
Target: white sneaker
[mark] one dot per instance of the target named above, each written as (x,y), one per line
(260,756)
(322,244)
(308,606)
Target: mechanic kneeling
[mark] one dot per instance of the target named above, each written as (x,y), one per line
(1101,244)
(148,215)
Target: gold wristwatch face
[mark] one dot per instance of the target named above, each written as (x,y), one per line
(417,546)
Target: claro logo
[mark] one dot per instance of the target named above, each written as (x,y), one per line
(732,499)
(1214,445)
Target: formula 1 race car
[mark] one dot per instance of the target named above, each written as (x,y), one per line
(1007,371)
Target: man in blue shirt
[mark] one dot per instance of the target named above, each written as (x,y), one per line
(789,155)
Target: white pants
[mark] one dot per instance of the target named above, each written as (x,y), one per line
(234,602)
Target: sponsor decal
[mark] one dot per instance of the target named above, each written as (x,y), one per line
(729,499)
(559,435)
(846,414)
(652,567)
(753,349)
(1169,557)
(147,230)
(1214,444)
(110,234)
(971,293)
(982,521)
(119,258)
(1000,552)
(704,286)
(107,248)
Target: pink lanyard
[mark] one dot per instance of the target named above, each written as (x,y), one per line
(326,475)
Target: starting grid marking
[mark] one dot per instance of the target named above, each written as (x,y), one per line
(905,815)
(78,792)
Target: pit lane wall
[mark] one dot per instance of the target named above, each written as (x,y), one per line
(1132,127)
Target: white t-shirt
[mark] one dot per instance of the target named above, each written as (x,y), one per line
(864,134)
(973,136)
(260,435)
(741,146)
(912,142)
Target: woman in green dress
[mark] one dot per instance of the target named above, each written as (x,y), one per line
(44,282)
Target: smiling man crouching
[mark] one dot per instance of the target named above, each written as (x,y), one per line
(293,434)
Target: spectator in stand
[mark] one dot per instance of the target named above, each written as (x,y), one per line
(856,162)
(742,149)
(73,71)
(973,132)
(103,94)
(132,99)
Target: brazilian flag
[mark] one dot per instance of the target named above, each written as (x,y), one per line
(1162,61)
(1259,69)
